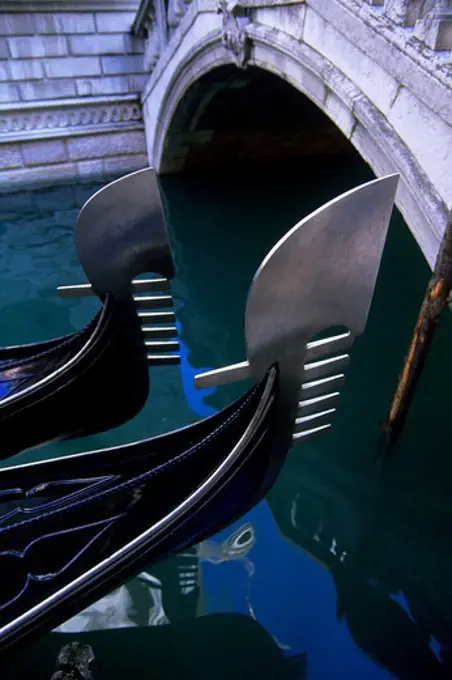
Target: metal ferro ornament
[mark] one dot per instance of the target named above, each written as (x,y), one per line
(321,274)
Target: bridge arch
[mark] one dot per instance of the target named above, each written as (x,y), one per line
(336,94)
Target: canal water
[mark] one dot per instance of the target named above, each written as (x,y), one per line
(344,570)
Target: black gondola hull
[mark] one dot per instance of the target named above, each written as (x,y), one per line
(125,508)
(78,385)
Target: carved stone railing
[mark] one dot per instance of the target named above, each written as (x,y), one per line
(435,28)
(408,12)
(157,24)
(430,19)
(428,23)
(176,10)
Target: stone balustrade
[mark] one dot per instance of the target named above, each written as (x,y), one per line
(427,22)
(430,19)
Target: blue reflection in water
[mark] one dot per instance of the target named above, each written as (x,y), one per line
(195,397)
(292,596)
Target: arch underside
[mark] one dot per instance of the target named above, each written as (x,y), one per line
(360,121)
(232,120)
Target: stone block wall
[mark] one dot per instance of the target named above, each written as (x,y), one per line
(69,90)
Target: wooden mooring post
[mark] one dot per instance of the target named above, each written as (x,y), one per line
(436,297)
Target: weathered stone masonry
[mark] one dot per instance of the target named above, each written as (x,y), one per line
(70,82)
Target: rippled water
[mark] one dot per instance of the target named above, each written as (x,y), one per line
(343,572)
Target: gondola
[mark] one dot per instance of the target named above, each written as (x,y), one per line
(74,528)
(97,378)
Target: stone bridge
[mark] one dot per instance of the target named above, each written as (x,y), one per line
(380,70)
(221,84)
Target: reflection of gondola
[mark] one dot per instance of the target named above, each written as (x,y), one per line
(97,378)
(72,529)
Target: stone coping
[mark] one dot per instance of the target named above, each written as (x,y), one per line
(68,102)
(49,119)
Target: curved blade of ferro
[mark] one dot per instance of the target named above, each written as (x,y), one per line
(121,231)
(321,274)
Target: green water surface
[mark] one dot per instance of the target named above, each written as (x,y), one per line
(344,570)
